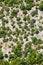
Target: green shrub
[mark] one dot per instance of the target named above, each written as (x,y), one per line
(18,18)
(25,12)
(23,7)
(6,55)
(41,6)
(14,13)
(29,1)
(36,41)
(31,21)
(1,55)
(2,33)
(28,6)
(1,3)
(26,18)
(1,0)
(27,48)
(5,40)
(34,13)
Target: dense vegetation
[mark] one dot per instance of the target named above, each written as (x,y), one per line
(41,6)
(19,31)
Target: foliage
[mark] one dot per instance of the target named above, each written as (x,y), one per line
(41,6)
(1,55)
(14,13)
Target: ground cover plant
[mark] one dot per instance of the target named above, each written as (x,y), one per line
(21,32)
